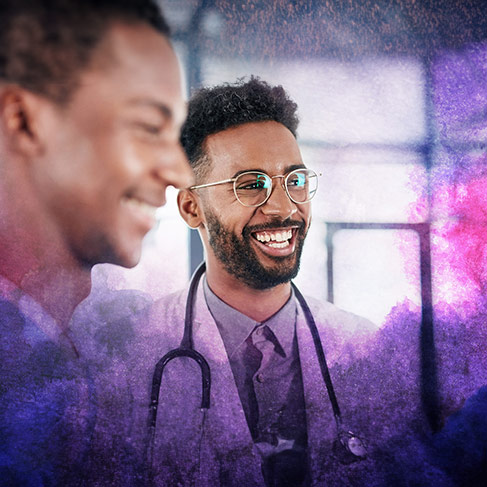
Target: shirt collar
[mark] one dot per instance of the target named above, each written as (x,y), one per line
(235,327)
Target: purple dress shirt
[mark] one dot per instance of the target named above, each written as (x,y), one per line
(265,363)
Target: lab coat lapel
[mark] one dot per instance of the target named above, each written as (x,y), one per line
(227,435)
(319,414)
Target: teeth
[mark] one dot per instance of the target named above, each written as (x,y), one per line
(279,245)
(140,205)
(280,237)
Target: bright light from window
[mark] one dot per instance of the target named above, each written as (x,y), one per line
(374,270)
(375,101)
(368,185)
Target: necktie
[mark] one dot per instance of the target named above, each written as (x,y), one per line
(284,462)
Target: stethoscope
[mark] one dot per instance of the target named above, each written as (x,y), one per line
(348,447)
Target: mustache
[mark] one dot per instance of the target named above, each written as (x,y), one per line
(288,222)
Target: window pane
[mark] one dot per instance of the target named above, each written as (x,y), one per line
(374,270)
(312,277)
(360,185)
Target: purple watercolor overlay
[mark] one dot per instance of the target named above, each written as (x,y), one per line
(382,387)
(459,252)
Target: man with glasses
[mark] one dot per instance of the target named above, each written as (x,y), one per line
(270,419)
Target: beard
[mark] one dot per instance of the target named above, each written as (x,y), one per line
(240,259)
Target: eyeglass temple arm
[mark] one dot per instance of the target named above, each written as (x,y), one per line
(231,180)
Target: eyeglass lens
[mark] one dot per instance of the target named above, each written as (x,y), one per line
(253,188)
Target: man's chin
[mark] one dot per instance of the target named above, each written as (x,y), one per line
(128,258)
(268,271)
(275,264)
(107,254)
(270,281)
(244,259)
(269,277)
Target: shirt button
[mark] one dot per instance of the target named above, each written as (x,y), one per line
(260,378)
(259,331)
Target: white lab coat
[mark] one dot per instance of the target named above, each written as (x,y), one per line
(227,454)
(125,338)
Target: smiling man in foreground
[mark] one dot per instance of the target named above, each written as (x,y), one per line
(90,116)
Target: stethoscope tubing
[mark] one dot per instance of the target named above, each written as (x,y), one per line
(320,353)
(186,349)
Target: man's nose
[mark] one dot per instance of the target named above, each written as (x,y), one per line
(279,203)
(174,169)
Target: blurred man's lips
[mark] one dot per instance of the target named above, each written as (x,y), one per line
(141,209)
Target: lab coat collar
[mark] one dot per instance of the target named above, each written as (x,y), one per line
(319,413)
(226,424)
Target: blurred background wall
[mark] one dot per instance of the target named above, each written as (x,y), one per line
(392,99)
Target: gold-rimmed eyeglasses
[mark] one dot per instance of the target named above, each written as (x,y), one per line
(253,188)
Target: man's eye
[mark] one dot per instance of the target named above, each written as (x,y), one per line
(151,129)
(253,185)
(148,129)
(298,180)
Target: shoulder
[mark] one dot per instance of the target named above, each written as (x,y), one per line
(107,320)
(10,317)
(166,315)
(345,335)
(20,334)
(470,419)
(171,305)
(331,317)
(334,314)
(460,447)
(14,349)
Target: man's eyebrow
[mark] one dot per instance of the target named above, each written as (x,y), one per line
(165,111)
(287,170)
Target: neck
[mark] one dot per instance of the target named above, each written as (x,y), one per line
(55,282)
(257,304)
(35,257)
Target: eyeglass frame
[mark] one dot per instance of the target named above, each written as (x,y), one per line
(284,185)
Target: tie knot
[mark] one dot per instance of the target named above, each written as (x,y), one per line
(264,339)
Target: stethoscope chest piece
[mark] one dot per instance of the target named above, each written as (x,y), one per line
(349,448)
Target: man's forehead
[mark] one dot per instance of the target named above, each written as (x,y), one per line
(267,146)
(144,65)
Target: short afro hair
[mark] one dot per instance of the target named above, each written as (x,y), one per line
(212,110)
(45,44)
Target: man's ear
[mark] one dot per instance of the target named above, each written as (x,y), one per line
(190,208)
(19,111)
